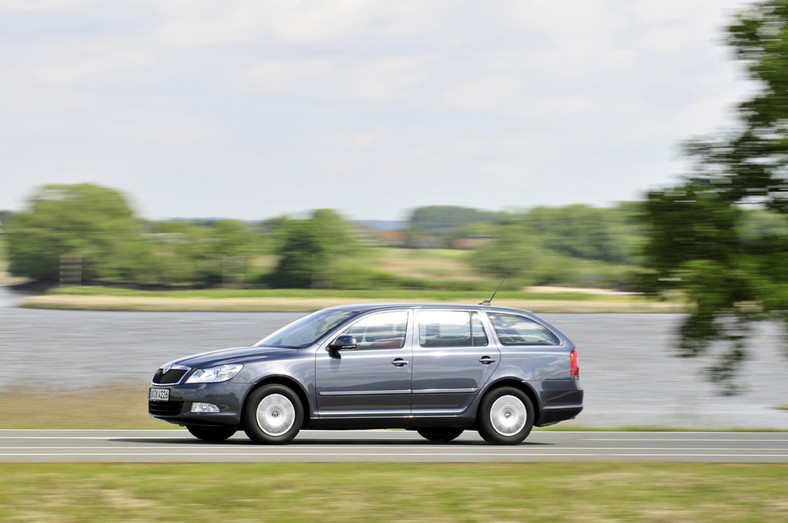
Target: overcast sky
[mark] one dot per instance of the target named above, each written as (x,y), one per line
(250,109)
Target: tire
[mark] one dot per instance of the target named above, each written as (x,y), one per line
(440,435)
(506,416)
(216,433)
(274,414)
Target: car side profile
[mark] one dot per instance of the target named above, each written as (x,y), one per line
(436,368)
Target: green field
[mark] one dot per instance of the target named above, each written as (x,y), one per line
(393,492)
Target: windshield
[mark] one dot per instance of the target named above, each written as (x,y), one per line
(307,330)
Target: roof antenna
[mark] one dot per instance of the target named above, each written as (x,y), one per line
(489,301)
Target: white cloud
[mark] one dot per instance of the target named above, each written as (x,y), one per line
(360,78)
(71,71)
(40,5)
(483,94)
(681,11)
(664,40)
(202,23)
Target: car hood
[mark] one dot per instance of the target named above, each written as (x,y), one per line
(229,356)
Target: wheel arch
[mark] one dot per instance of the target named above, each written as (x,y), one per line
(286,381)
(523,386)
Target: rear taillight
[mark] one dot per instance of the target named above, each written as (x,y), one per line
(574,366)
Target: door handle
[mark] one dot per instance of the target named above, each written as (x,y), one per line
(399,362)
(486,360)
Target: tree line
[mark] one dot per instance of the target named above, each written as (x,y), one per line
(96,225)
(570,245)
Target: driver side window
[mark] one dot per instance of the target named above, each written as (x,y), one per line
(385,330)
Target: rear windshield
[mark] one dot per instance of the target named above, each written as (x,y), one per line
(513,329)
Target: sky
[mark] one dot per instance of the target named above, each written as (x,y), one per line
(250,109)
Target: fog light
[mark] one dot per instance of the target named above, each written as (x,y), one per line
(204,407)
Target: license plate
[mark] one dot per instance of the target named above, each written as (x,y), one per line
(159,395)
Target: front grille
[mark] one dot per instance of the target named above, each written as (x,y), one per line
(168,378)
(165,408)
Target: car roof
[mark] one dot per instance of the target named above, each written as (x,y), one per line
(367,307)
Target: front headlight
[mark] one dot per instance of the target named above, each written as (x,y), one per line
(215,374)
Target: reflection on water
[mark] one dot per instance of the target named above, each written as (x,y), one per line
(626,368)
(9,298)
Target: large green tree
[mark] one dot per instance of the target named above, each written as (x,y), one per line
(205,253)
(313,252)
(704,234)
(514,253)
(93,222)
(444,222)
(591,233)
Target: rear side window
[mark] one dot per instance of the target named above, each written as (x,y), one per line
(519,330)
(451,329)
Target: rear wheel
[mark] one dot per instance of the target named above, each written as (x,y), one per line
(218,433)
(273,414)
(506,416)
(440,434)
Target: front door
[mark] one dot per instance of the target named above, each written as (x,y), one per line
(372,380)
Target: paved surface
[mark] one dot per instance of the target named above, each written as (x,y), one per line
(391,446)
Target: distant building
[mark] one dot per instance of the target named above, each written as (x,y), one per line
(469,243)
(392,238)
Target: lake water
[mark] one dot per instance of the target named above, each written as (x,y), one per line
(627,369)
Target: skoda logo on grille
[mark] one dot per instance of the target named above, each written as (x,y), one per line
(166,369)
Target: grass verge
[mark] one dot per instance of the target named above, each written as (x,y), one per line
(393,492)
(122,406)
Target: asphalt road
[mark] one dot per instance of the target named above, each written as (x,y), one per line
(391,446)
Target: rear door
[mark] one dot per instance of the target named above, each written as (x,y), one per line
(453,357)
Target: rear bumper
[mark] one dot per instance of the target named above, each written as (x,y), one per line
(553,415)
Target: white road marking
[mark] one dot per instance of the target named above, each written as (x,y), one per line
(435,449)
(334,455)
(726,440)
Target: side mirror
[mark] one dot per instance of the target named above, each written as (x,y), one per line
(344,342)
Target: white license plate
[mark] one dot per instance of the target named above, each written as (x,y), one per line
(159,394)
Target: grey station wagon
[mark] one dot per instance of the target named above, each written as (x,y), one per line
(435,368)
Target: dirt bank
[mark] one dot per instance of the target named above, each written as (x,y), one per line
(121,303)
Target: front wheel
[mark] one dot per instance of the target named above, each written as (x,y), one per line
(506,416)
(218,433)
(273,414)
(440,435)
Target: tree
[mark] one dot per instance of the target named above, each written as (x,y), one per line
(701,238)
(204,252)
(514,252)
(86,220)
(580,231)
(312,251)
(444,222)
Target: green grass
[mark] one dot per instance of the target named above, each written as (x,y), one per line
(393,492)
